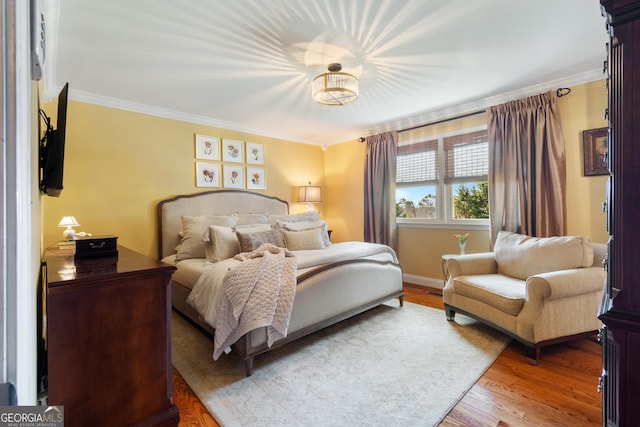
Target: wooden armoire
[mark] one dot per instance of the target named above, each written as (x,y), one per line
(620,310)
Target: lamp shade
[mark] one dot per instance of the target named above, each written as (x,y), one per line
(309,194)
(68,221)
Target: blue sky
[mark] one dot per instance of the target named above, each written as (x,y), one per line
(415,194)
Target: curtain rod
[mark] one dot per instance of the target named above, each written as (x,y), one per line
(462,116)
(560,92)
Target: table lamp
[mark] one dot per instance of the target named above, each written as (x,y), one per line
(69,222)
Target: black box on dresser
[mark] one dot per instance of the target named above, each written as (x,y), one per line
(96,247)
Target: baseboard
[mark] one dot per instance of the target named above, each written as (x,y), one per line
(423,281)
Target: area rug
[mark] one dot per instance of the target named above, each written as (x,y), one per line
(391,366)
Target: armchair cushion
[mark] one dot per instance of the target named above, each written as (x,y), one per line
(523,256)
(502,292)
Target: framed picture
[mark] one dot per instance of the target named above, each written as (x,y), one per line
(233,176)
(232,151)
(207,147)
(207,174)
(255,154)
(595,147)
(256,179)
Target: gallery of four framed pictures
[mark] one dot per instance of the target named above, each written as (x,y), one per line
(232,172)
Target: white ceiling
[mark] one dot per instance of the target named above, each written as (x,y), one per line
(248,65)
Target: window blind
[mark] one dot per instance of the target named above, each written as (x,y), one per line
(466,157)
(417,163)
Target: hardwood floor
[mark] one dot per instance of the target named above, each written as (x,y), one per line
(560,391)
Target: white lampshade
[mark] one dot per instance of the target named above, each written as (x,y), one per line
(309,194)
(68,222)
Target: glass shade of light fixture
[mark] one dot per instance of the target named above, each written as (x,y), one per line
(334,87)
(68,222)
(309,194)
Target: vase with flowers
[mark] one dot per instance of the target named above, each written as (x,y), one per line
(462,241)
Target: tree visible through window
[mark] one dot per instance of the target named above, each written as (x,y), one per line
(471,202)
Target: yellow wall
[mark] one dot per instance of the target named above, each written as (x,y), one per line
(119,164)
(344,182)
(581,110)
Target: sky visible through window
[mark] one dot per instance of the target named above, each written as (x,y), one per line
(415,194)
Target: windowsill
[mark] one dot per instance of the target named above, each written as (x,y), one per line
(456,226)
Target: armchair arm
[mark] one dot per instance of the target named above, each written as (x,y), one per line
(472,264)
(565,283)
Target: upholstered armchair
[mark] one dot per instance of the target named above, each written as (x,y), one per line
(540,291)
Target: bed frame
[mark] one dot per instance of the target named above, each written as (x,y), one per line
(324,296)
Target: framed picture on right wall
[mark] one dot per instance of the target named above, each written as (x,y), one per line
(595,149)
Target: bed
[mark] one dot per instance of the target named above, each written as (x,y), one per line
(325,294)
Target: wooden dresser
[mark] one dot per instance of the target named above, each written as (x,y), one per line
(620,310)
(109,340)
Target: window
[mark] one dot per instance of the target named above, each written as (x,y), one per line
(443,178)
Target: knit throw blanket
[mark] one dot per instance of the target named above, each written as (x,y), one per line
(259,292)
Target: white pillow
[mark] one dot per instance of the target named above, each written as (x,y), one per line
(307,225)
(522,256)
(222,242)
(252,218)
(193,228)
(304,239)
(305,216)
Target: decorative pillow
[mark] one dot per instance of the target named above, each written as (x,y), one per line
(304,239)
(252,241)
(523,256)
(193,228)
(253,218)
(307,225)
(305,216)
(221,243)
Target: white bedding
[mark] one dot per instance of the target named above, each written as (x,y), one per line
(206,295)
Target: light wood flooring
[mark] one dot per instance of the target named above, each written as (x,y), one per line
(560,391)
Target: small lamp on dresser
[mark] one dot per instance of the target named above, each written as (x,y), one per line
(68,222)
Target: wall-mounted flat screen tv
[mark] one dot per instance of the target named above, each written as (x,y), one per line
(52,149)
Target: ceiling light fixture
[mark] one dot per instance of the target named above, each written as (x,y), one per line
(334,87)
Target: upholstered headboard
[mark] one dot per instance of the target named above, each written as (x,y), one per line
(221,202)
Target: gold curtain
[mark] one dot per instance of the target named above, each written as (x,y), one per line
(527,167)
